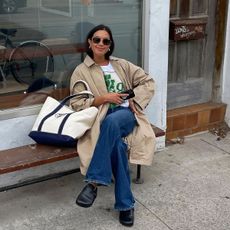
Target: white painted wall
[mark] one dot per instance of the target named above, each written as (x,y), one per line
(156,57)
(226,71)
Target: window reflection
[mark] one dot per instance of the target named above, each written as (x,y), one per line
(42,41)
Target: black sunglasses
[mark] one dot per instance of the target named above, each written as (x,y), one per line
(105,41)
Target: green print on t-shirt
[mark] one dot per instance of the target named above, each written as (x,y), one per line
(112,85)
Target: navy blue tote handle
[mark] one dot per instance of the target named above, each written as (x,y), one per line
(66,99)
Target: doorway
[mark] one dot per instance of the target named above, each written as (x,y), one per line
(191,52)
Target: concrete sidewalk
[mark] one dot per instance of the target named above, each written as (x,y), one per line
(187,188)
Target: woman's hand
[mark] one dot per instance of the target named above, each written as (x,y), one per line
(115,98)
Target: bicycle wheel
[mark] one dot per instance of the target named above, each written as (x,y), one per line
(30,61)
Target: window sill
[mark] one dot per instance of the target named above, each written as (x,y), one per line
(21,104)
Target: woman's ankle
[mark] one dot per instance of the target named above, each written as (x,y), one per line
(93,183)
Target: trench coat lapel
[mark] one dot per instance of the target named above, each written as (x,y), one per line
(96,76)
(120,72)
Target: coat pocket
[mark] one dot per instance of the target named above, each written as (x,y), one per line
(141,143)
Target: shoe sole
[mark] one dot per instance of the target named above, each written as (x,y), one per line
(127,225)
(83,205)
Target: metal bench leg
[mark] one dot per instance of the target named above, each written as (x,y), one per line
(138,179)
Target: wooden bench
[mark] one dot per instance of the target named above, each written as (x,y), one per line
(29,156)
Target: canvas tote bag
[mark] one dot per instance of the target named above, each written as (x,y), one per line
(58,124)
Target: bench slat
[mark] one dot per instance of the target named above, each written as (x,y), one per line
(32,155)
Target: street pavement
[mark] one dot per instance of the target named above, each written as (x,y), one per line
(186,188)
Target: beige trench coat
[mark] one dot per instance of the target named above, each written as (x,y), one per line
(141,142)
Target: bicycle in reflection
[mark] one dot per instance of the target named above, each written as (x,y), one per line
(27,62)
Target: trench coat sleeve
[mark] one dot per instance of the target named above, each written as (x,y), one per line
(80,102)
(142,84)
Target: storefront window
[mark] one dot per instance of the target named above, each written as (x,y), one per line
(41,42)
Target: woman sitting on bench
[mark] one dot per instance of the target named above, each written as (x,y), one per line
(121,126)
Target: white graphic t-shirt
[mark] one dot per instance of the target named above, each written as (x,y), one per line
(113,83)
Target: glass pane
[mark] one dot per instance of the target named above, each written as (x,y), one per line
(173,8)
(63,5)
(199,7)
(41,42)
(172,62)
(195,59)
(182,61)
(184,8)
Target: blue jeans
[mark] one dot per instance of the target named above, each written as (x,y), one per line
(110,156)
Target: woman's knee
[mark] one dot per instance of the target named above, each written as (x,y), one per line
(110,123)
